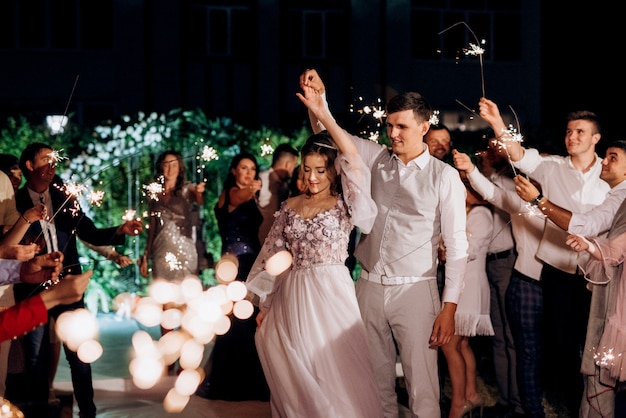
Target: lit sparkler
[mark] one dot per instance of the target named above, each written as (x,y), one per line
(207,154)
(154,189)
(434,118)
(266,149)
(375,111)
(474,49)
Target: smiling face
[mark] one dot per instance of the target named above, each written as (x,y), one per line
(244,172)
(439,142)
(406,134)
(580,137)
(614,166)
(315,175)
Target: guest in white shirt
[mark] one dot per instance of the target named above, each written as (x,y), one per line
(524,295)
(574,183)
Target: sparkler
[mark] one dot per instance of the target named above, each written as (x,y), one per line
(207,154)
(474,49)
(377,112)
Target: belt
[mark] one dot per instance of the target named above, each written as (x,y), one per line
(389,281)
(500,255)
(525,278)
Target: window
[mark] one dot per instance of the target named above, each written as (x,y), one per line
(54,24)
(219,30)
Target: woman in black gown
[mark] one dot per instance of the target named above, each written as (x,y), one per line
(235,370)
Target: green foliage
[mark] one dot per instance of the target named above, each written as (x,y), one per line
(118,160)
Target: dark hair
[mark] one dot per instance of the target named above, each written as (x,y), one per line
(323,145)
(8,162)
(282,150)
(29,154)
(440,127)
(158,167)
(231,181)
(619,143)
(585,115)
(410,101)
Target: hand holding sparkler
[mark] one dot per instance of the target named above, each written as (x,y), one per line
(131,227)
(68,290)
(42,268)
(526,190)
(509,143)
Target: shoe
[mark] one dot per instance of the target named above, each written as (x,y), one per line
(466,411)
(477,407)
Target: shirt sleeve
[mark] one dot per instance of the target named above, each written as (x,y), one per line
(9,271)
(454,234)
(22,318)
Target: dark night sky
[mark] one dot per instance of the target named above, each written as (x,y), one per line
(581,65)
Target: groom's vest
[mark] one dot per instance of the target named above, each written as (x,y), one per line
(407,227)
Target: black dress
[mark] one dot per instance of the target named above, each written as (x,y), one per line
(235,370)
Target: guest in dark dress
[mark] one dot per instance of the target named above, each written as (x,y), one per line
(234,372)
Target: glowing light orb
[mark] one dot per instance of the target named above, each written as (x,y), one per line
(148,312)
(164,291)
(226,269)
(278,263)
(187,382)
(191,354)
(170,345)
(174,402)
(243,309)
(146,371)
(171,318)
(236,290)
(222,325)
(75,327)
(89,351)
(191,288)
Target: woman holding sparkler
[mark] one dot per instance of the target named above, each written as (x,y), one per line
(171,242)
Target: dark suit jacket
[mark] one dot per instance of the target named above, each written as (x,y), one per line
(70,222)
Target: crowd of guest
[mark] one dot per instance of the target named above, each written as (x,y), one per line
(520,248)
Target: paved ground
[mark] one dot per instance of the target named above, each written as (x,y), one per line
(117,397)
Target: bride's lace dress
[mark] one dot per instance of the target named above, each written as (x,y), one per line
(312,342)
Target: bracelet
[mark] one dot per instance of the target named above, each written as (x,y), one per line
(536,201)
(24,217)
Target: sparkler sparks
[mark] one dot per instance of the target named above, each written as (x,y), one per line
(434,118)
(474,49)
(266,149)
(375,111)
(208,153)
(153,190)
(95,197)
(129,215)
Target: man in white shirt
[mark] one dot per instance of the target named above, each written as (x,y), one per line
(419,199)
(574,183)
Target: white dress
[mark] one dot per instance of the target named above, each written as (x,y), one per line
(472,312)
(312,342)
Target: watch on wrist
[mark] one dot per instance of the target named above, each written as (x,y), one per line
(537,199)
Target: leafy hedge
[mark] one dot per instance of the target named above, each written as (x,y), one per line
(118,159)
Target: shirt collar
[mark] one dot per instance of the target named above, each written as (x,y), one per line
(420,161)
